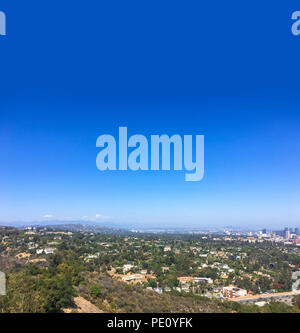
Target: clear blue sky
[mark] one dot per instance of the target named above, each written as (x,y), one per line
(71,72)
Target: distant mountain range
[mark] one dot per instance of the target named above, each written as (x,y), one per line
(115,227)
(87,228)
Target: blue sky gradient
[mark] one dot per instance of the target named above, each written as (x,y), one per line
(71,72)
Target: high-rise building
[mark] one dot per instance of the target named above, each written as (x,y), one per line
(297,231)
(287,234)
(264,231)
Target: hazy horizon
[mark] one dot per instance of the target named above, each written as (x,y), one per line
(116,224)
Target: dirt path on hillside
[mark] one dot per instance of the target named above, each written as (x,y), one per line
(83,306)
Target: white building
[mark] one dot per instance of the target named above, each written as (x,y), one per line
(203,280)
(132,277)
(158,290)
(127,267)
(49,250)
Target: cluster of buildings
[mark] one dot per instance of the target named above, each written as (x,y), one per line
(292,234)
(133,277)
(287,236)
